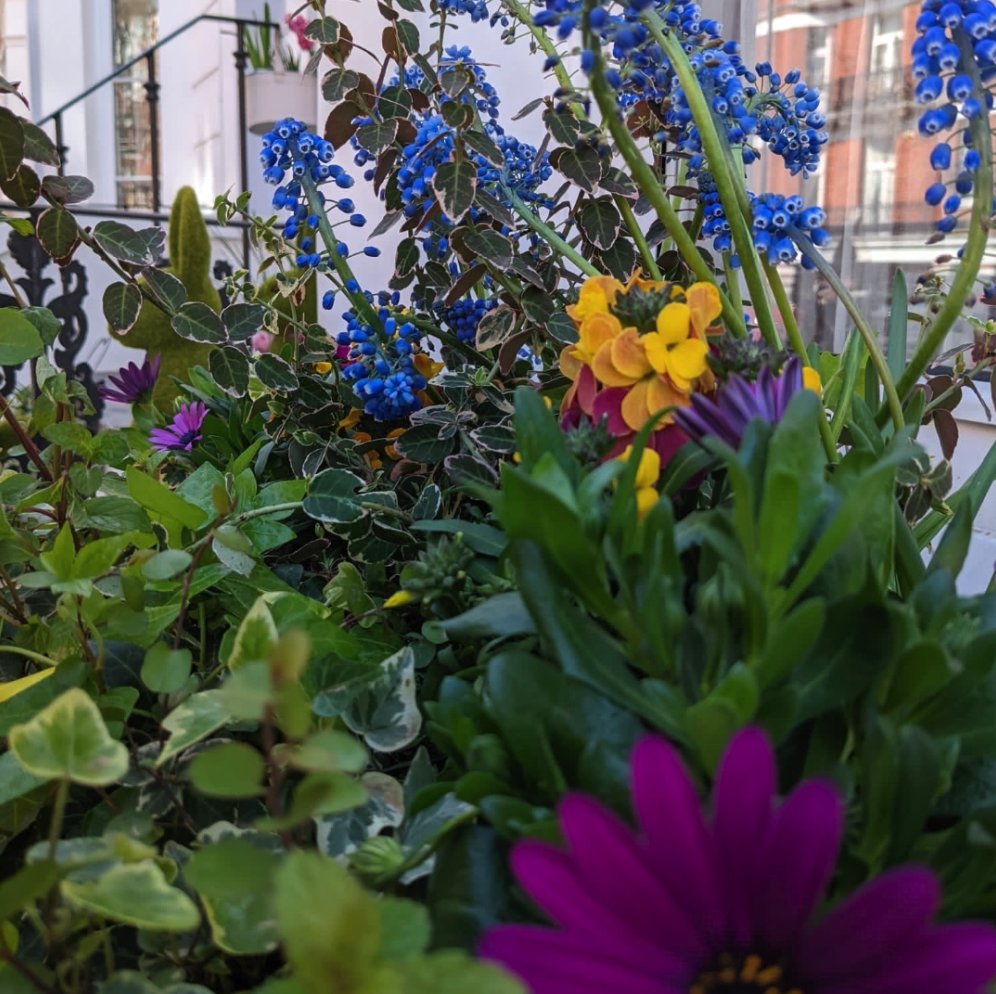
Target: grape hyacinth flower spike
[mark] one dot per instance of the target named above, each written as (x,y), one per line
(183,432)
(290,147)
(133,384)
(954,66)
(726,902)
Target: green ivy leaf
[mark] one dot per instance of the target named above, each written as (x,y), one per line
(454,185)
(453,972)
(136,894)
(582,166)
(325,30)
(68,740)
(27,885)
(58,233)
(337,83)
(38,147)
(491,245)
(377,136)
(68,189)
(23,187)
(196,718)
(230,368)
(11,143)
(122,302)
(234,880)
(599,222)
(243,320)
(196,322)
(331,497)
(142,247)
(256,636)
(276,373)
(165,287)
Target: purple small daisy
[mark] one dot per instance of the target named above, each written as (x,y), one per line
(726,904)
(133,384)
(727,415)
(183,432)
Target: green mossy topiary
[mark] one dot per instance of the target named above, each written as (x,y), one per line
(190,262)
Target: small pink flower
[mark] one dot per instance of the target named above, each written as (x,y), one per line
(298,25)
(262,341)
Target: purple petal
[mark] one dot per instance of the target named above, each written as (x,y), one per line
(558,963)
(871,927)
(742,799)
(681,849)
(954,959)
(739,399)
(788,384)
(618,876)
(797,860)
(551,878)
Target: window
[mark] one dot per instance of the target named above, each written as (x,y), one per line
(136,28)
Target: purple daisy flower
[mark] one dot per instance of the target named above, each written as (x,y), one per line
(726,904)
(738,402)
(183,432)
(133,384)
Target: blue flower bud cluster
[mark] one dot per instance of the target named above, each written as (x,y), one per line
(775,219)
(954,65)
(782,111)
(290,147)
(478,10)
(381,365)
(463,317)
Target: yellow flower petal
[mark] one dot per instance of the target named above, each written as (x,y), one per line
(605,371)
(352,418)
(571,361)
(646,498)
(656,349)
(323,367)
(662,394)
(399,599)
(596,330)
(596,296)
(673,323)
(649,470)
(12,688)
(688,360)
(634,406)
(629,356)
(703,299)
(811,380)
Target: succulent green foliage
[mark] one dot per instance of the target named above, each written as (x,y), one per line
(190,262)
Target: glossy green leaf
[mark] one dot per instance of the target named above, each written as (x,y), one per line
(166,670)
(230,770)
(121,303)
(195,719)
(196,322)
(68,740)
(19,339)
(135,894)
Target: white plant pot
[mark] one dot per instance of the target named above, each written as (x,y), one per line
(272,95)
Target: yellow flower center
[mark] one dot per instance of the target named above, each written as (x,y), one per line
(742,975)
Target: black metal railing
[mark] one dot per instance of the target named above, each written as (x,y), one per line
(153,95)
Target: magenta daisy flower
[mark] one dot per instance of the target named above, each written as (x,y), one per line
(726,904)
(727,415)
(133,384)
(183,432)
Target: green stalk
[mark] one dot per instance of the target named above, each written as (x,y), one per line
(726,184)
(342,267)
(975,245)
(651,187)
(636,233)
(58,814)
(865,330)
(551,236)
(799,347)
(547,46)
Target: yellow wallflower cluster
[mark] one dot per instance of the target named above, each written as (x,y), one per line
(658,368)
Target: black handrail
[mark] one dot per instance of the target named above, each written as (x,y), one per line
(152,88)
(242,23)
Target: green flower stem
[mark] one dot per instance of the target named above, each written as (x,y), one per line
(547,46)
(636,233)
(36,657)
(973,252)
(799,347)
(551,236)
(719,164)
(651,187)
(867,333)
(342,267)
(732,282)
(58,814)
